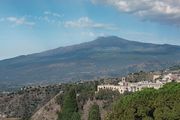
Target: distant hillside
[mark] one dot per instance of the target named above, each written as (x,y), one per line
(105,56)
(48,111)
(24,103)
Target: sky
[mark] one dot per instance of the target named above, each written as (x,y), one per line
(31,26)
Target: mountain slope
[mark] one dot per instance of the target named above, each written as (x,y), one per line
(105,56)
(48,111)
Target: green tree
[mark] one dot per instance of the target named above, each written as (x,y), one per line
(70,107)
(76,116)
(94,113)
(149,104)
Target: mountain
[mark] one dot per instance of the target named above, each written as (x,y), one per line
(105,56)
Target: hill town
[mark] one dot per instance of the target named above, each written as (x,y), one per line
(157,82)
(102,91)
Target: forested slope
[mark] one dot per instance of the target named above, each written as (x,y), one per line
(149,104)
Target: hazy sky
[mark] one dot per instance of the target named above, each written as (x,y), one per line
(28,26)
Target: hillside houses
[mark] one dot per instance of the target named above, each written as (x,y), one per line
(171,77)
(158,82)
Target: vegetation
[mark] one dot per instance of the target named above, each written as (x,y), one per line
(149,104)
(94,113)
(177,67)
(106,94)
(139,76)
(85,92)
(72,102)
(24,103)
(70,107)
(76,98)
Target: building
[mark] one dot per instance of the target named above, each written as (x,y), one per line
(124,86)
(111,87)
(170,77)
(156,76)
(158,80)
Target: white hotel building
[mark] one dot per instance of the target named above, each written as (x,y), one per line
(130,87)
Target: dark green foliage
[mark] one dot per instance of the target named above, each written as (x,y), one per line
(94,113)
(70,107)
(88,89)
(149,104)
(107,95)
(85,92)
(76,116)
(177,67)
(139,76)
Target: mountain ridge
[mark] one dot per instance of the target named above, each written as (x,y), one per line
(103,57)
(98,39)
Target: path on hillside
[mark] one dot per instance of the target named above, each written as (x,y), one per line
(87,107)
(48,111)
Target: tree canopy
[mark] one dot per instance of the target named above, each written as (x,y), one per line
(70,107)
(149,104)
(94,113)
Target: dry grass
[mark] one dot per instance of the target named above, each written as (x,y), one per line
(48,111)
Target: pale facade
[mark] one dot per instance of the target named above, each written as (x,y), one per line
(158,81)
(171,77)
(112,87)
(156,77)
(130,87)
